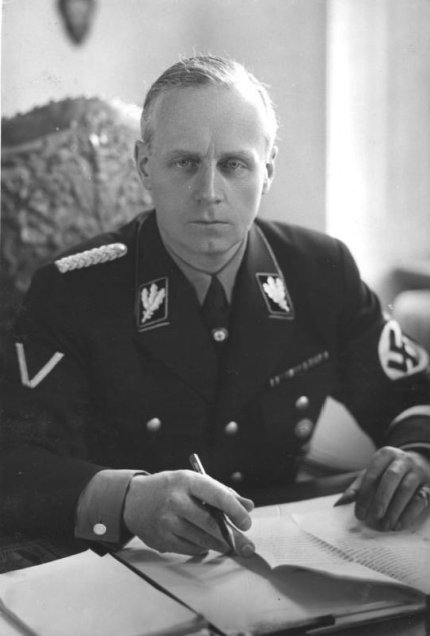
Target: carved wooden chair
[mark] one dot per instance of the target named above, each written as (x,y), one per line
(67,174)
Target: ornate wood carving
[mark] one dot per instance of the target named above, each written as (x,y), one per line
(67,174)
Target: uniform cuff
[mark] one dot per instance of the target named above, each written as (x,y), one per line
(100,507)
(411,428)
(422,449)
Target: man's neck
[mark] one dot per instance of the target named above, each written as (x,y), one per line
(206,263)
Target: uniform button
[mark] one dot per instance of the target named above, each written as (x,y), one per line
(220,334)
(154,424)
(302,403)
(99,529)
(237,477)
(303,428)
(231,428)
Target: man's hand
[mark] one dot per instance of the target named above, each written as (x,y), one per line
(394,490)
(167,511)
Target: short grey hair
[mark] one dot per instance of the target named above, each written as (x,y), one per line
(206,70)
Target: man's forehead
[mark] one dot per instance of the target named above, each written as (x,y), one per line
(182,113)
(208,102)
(244,94)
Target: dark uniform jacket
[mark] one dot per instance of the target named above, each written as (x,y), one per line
(112,366)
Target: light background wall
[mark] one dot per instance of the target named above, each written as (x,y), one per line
(133,41)
(378,151)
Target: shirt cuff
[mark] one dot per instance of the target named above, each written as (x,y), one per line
(100,507)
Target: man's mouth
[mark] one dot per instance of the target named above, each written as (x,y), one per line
(214,222)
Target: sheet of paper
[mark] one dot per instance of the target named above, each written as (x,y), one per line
(404,556)
(91,595)
(294,507)
(240,595)
(280,541)
(233,596)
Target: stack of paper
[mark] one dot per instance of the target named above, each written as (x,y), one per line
(89,595)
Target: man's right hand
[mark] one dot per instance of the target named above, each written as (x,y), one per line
(167,511)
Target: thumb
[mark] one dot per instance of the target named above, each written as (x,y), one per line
(349,495)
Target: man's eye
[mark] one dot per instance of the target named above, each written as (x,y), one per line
(234,165)
(184,163)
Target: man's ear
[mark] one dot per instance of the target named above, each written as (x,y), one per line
(141,156)
(270,169)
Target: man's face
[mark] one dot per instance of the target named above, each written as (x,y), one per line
(207,167)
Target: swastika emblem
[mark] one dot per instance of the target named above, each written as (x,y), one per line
(399,356)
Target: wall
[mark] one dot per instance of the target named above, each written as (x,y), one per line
(281,41)
(378,167)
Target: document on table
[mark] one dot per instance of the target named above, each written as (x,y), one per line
(294,578)
(402,557)
(281,541)
(89,595)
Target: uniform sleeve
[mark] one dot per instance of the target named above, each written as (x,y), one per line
(45,412)
(100,507)
(384,373)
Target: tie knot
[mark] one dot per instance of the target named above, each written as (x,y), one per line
(216,297)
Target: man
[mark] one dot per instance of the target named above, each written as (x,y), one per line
(197,328)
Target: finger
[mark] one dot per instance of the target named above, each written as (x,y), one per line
(376,468)
(209,520)
(181,545)
(350,494)
(389,483)
(416,506)
(215,494)
(400,500)
(201,515)
(244,547)
(248,504)
(173,539)
(189,533)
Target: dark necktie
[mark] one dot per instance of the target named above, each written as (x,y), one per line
(215,311)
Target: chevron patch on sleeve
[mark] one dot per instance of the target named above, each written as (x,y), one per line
(43,372)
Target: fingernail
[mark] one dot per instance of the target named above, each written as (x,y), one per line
(247,550)
(245,523)
(248,503)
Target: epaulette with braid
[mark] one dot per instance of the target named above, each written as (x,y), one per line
(94,256)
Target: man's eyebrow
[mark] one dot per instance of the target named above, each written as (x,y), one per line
(181,152)
(247,155)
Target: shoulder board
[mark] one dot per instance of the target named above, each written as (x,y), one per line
(97,255)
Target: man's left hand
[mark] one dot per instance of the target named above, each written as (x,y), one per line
(394,490)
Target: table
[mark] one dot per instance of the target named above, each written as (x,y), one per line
(20,552)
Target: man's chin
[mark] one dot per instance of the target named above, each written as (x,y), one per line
(211,255)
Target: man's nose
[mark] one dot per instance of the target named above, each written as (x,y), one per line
(208,185)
